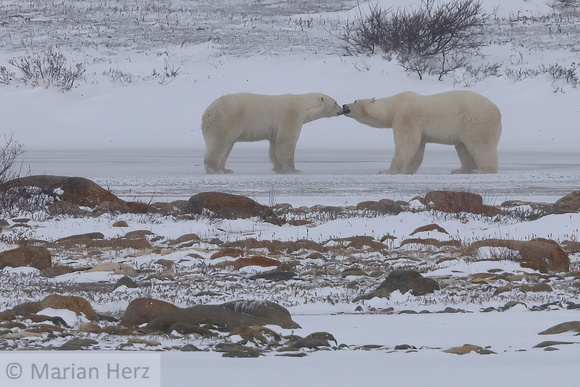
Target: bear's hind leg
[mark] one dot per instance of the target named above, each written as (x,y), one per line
(468,164)
(486,160)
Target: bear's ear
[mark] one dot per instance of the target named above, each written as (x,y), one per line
(321,99)
(372,100)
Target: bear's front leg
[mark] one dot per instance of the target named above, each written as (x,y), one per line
(285,147)
(409,151)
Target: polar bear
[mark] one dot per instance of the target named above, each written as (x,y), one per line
(256,117)
(462,118)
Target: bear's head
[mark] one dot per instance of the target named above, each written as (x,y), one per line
(326,106)
(364,111)
(357,108)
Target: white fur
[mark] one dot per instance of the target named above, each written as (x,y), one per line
(465,119)
(256,117)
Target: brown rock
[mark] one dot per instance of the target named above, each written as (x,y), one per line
(143,310)
(33,256)
(405,280)
(464,349)
(569,203)
(227,206)
(75,190)
(255,261)
(456,202)
(539,254)
(120,223)
(430,227)
(77,304)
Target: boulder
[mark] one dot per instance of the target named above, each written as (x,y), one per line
(74,303)
(75,190)
(383,206)
(33,256)
(539,254)
(143,310)
(227,206)
(573,326)
(405,280)
(569,203)
(256,261)
(456,202)
(228,316)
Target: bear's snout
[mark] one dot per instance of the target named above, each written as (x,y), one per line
(345,109)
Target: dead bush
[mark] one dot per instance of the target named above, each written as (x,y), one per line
(434,39)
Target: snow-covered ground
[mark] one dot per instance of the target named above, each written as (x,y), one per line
(137,133)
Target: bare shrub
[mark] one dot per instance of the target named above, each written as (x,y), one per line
(49,68)
(433,39)
(10,150)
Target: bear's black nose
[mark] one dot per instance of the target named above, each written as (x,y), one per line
(345,109)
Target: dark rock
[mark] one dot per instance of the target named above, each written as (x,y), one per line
(33,256)
(312,341)
(237,350)
(545,344)
(405,280)
(561,328)
(77,344)
(227,206)
(189,348)
(126,281)
(404,347)
(227,316)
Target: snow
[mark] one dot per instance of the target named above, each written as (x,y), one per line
(141,139)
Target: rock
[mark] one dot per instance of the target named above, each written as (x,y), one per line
(405,280)
(237,350)
(312,341)
(457,202)
(189,348)
(541,287)
(255,334)
(550,343)
(143,310)
(77,344)
(383,206)
(256,261)
(126,281)
(120,223)
(227,206)
(76,190)
(464,349)
(275,276)
(430,227)
(74,303)
(229,315)
(184,239)
(569,203)
(561,328)
(539,254)
(33,256)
